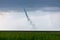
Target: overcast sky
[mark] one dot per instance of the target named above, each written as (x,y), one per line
(45,14)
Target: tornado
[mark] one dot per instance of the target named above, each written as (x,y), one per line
(33,25)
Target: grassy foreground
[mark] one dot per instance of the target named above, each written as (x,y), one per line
(29,35)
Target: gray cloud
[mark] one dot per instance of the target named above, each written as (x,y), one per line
(18,4)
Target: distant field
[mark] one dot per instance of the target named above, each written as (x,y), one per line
(29,35)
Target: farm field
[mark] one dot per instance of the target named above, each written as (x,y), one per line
(29,35)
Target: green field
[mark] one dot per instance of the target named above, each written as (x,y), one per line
(29,35)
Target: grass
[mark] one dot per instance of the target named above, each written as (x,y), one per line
(29,35)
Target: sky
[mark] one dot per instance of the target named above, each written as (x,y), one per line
(45,14)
